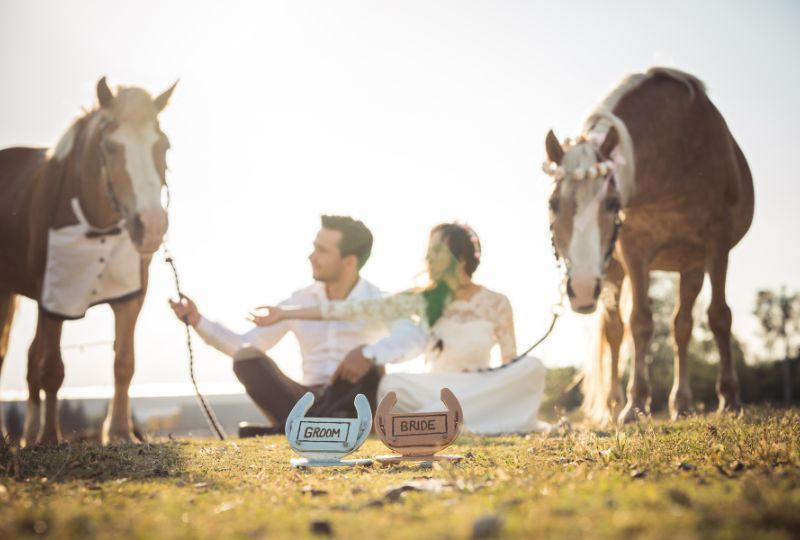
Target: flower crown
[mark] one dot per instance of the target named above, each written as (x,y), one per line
(604,168)
(473,238)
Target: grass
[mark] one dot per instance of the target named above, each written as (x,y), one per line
(702,477)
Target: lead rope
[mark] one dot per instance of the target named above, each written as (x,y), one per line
(556,310)
(207,410)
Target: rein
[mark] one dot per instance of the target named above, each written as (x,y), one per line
(208,412)
(211,418)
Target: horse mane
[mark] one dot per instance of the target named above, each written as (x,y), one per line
(134,104)
(602,118)
(693,84)
(66,142)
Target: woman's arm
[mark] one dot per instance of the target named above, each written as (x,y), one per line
(397,306)
(504,330)
(393,307)
(277,314)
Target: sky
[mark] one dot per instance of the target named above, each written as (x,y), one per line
(402,114)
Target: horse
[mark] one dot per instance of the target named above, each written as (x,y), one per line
(79,224)
(655,181)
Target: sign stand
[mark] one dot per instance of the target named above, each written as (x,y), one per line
(323,442)
(418,436)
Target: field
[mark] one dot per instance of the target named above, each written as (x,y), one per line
(702,477)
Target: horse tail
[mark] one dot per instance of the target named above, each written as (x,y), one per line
(596,376)
(597,382)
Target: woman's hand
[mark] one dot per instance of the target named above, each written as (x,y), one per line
(274,315)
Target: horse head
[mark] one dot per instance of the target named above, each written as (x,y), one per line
(584,212)
(123,164)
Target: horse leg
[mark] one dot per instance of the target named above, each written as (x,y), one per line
(680,398)
(118,425)
(719,319)
(641,323)
(8,304)
(52,376)
(33,414)
(614,329)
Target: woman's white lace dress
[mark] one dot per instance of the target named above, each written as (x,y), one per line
(497,400)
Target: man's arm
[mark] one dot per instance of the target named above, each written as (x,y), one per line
(222,338)
(405,342)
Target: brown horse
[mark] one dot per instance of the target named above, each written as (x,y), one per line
(656,181)
(78,227)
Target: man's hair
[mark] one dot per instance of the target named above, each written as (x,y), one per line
(356,237)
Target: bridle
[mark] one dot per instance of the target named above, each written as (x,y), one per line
(120,209)
(562,263)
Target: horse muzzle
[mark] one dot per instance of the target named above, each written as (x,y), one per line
(147,230)
(583,289)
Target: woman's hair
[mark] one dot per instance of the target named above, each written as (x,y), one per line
(436,296)
(465,246)
(463,243)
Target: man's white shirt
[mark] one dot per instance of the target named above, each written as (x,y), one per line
(323,344)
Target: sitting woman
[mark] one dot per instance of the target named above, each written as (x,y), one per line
(464,321)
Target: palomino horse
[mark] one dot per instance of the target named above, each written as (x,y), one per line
(78,227)
(656,158)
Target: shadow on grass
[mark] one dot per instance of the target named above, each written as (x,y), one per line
(92,461)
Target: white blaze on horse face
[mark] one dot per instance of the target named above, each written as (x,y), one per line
(585,252)
(138,141)
(585,257)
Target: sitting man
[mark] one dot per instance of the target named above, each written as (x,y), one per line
(345,355)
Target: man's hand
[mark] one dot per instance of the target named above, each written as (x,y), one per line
(353,367)
(186,310)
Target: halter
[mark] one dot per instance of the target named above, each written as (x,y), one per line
(118,207)
(122,210)
(604,169)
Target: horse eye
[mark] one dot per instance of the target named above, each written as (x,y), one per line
(554,206)
(612,205)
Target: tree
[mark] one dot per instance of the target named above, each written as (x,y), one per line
(779,315)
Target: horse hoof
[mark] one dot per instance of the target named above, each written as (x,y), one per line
(729,406)
(630,414)
(614,404)
(118,438)
(680,405)
(678,413)
(49,439)
(627,415)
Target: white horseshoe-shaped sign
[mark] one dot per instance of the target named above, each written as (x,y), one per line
(325,441)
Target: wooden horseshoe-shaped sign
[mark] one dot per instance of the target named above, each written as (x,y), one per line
(323,442)
(418,436)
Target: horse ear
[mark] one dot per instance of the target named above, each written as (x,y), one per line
(609,143)
(162,100)
(104,95)
(553,147)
